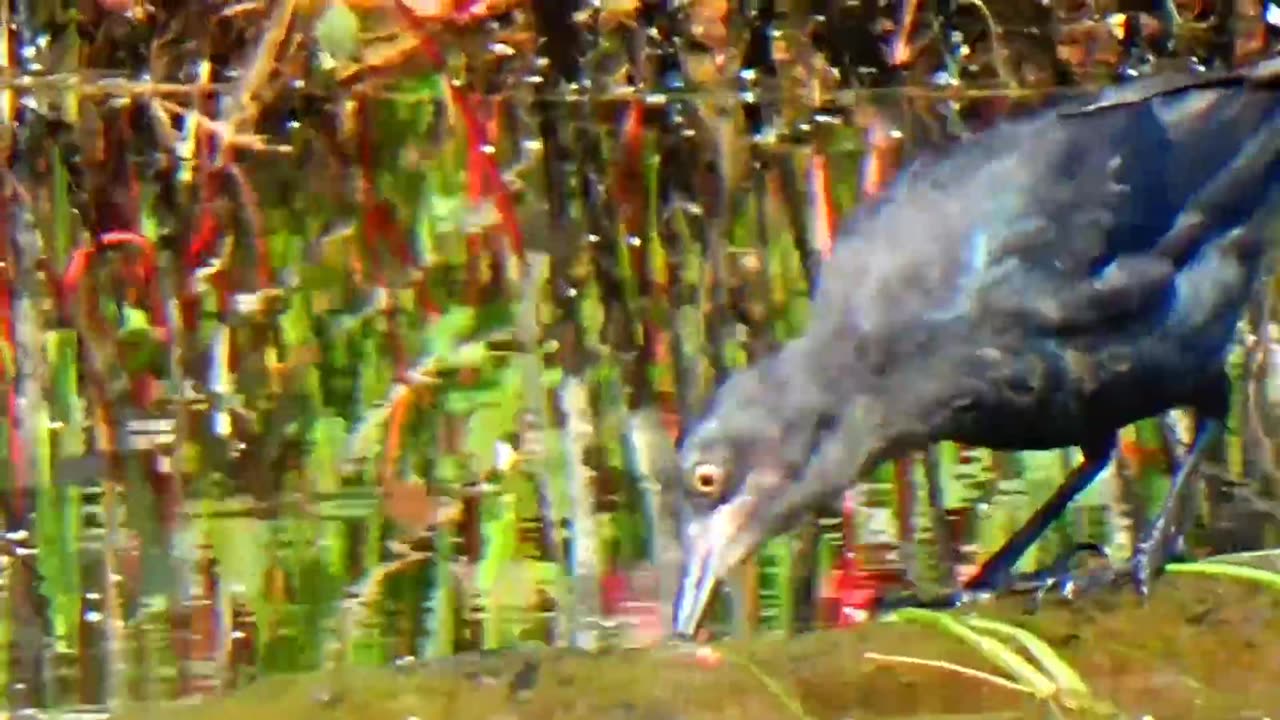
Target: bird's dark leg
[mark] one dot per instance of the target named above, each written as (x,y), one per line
(1152,549)
(995,572)
(996,575)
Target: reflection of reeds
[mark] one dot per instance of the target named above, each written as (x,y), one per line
(398,312)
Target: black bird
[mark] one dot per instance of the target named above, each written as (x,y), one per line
(1041,284)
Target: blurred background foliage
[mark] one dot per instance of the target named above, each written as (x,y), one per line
(348,331)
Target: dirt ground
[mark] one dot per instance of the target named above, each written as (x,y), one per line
(1201,648)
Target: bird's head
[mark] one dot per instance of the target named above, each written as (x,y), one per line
(753,467)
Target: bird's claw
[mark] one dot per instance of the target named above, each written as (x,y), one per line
(1061,578)
(1064,577)
(1069,581)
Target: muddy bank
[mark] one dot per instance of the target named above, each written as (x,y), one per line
(1202,648)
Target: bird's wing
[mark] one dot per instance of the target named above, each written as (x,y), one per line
(1068,218)
(1158,172)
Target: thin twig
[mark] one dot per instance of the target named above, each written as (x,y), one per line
(259,70)
(225,132)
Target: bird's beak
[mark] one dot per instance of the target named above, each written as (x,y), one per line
(714,544)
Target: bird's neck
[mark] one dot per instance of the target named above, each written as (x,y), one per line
(817,365)
(803,383)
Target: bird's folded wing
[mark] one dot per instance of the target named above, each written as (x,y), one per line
(1066,219)
(1213,185)
(1131,287)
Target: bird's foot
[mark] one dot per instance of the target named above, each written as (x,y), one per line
(1067,578)
(1062,577)
(1071,580)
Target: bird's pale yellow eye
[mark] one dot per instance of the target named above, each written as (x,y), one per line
(708,479)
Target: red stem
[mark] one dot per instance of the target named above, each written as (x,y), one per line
(477,138)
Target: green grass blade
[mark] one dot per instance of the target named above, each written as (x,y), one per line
(1064,676)
(1209,567)
(991,649)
